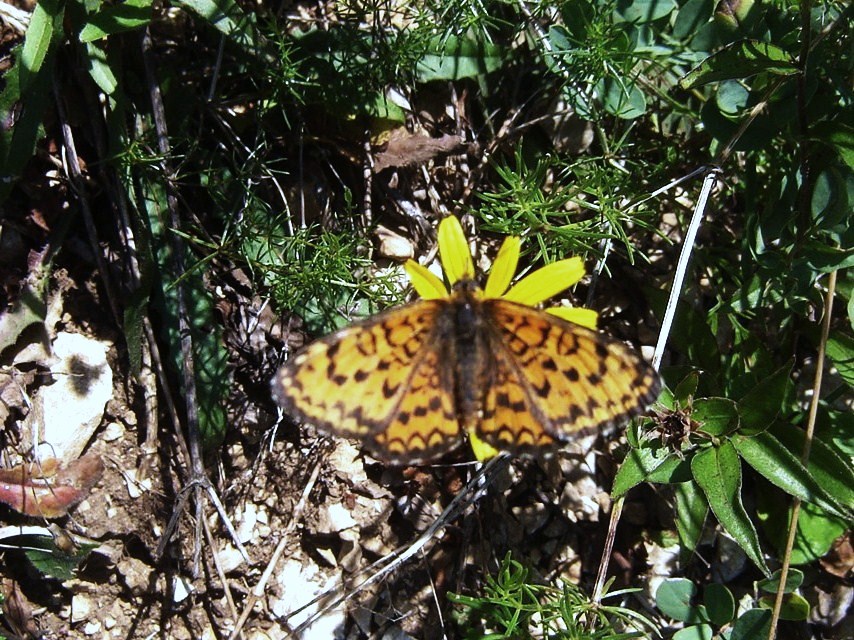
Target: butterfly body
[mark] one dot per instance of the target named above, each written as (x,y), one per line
(411,380)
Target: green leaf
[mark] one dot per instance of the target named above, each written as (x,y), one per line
(839,136)
(758,409)
(795,607)
(732,98)
(47,558)
(691,17)
(718,472)
(100,70)
(830,202)
(716,416)
(752,624)
(695,632)
(720,604)
(831,471)
(622,99)
(457,58)
(767,455)
(820,256)
(686,389)
(227,17)
(691,511)
(817,531)
(209,354)
(674,599)
(643,11)
(675,470)
(840,351)
(45,28)
(740,60)
(639,465)
(27,310)
(794,579)
(117,18)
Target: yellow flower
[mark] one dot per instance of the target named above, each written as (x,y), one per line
(533,289)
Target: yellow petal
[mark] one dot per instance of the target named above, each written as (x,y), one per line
(426,283)
(504,267)
(482,451)
(546,282)
(454,251)
(576,315)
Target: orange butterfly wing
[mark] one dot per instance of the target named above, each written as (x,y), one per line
(554,379)
(383,380)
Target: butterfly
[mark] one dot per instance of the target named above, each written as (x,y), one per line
(409,382)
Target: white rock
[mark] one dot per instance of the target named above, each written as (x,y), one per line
(91,628)
(73,405)
(81,607)
(229,558)
(248,520)
(299,585)
(180,589)
(113,432)
(340,518)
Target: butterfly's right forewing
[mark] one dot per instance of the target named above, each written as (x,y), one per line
(574,380)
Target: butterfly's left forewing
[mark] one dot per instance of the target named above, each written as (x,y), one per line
(380,380)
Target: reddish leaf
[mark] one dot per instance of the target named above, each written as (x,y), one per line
(48,490)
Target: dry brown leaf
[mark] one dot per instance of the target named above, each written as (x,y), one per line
(409,149)
(48,490)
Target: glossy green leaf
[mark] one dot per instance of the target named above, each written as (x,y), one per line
(674,599)
(457,58)
(691,511)
(635,468)
(740,60)
(720,603)
(643,11)
(767,455)
(758,409)
(643,463)
(47,558)
(840,351)
(816,534)
(794,579)
(831,198)
(676,469)
(100,70)
(795,607)
(839,135)
(45,28)
(718,472)
(822,257)
(716,416)
(686,389)
(225,16)
(26,109)
(623,100)
(695,632)
(692,15)
(826,464)
(732,98)
(118,18)
(751,625)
